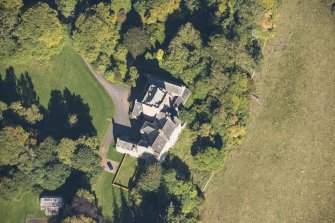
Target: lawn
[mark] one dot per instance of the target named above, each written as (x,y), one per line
(16,211)
(126,171)
(113,154)
(109,197)
(285,171)
(65,70)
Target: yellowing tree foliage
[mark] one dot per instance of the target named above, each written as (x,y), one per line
(40,33)
(96,32)
(153,11)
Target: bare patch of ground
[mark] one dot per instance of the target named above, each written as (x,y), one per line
(285,169)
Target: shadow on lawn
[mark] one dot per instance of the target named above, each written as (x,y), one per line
(13,89)
(66,116)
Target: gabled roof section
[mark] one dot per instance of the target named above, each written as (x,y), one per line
(159,143)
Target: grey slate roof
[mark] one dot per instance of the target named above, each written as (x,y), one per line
(126,144)
(159,143)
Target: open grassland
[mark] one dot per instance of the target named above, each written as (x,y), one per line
(67,70)
(285,169)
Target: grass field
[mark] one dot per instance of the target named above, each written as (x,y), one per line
(67,70)
(126,171)
(285,169)
(63,70)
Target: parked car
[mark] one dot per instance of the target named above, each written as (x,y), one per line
(110,166)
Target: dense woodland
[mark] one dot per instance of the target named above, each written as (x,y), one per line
(211,46)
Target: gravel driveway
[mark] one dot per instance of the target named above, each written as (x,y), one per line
(119,96)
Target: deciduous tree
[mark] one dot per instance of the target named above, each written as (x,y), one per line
(40,33)
(183,57)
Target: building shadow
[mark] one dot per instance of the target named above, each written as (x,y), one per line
(131,132)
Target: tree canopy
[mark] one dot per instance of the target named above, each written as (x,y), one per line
(39,33)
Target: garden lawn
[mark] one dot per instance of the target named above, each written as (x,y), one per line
(126,171)
(67,70)
(113,154)
(109,197)
(17,211)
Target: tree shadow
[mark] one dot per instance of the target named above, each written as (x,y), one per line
(174,162)
(68,116)
(22,89)
(26,90)
(8,87)
(202,143)
(133,20)
(68,190)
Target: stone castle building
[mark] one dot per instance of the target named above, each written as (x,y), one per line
(161,127)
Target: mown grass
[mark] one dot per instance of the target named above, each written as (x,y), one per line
(16,211)
(113,154)
(109,197)
(285,170)
(126,171)
(65,70)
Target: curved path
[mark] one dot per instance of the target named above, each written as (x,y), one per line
(119,96)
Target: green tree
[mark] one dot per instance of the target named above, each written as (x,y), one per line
(183,57)
(96,32)
(210,159)
(14,141)
(3,108)
(78,219)
(66,7)
(136,41)
(154,11)
(31,114)
(86,160)
(40,33)
(150,179)
(9,17)
(53,176)
(65,150)
(118,5)
(184,190)
(133,75)
(229,54)
(82,193)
